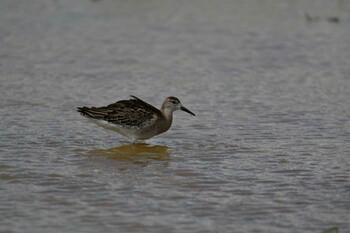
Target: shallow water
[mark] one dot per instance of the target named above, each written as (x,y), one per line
(268,150)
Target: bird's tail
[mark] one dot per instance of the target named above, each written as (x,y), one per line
(96,113)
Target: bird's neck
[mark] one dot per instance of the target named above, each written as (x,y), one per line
(168,117)
(167,113)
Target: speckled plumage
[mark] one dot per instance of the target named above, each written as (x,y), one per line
(134,118)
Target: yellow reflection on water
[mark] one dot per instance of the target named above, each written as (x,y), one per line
(134,151)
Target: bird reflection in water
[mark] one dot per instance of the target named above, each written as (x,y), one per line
(140,153)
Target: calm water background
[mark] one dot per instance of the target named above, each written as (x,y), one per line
(267,152)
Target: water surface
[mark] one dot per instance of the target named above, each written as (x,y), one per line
(268,150)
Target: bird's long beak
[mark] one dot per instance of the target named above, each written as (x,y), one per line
(186,110)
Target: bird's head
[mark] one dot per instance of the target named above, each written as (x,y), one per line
(172,104)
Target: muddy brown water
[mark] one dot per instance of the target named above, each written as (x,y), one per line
(268,150)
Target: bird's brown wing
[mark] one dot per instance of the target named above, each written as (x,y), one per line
(128,113)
